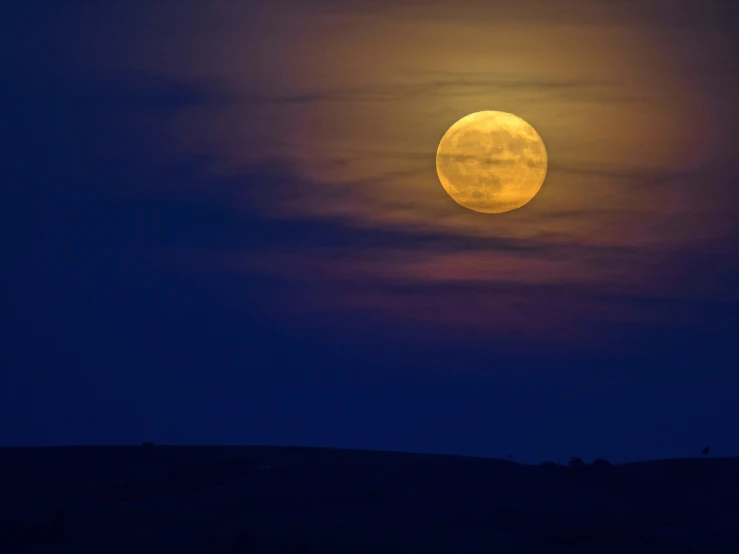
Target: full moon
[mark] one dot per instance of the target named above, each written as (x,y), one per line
(491,162)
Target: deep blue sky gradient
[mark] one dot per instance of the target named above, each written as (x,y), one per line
(109,340)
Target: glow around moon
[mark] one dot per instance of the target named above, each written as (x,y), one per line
(491,162)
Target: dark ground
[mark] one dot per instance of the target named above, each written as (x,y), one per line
(188,499)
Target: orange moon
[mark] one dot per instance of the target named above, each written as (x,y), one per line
(491,162)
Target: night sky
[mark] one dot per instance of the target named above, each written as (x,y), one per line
(224,226)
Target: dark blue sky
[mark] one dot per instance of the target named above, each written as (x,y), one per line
(177,274)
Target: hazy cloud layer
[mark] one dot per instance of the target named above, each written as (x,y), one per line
(318,122)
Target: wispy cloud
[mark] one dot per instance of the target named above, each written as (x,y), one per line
(319,127)
(430,85)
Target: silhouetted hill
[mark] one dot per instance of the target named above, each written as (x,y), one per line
(213,499)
